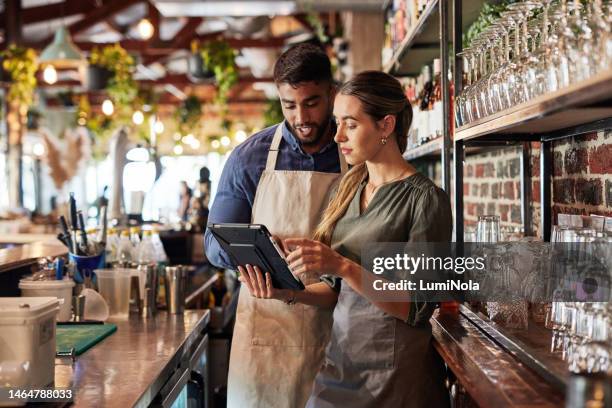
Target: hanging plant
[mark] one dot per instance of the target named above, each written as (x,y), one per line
(219,57)
(121,88)
(197,70)
(188,114)
(99,126)
(21,65)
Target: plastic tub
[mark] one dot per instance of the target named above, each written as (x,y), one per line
(27,334)
(61,289)
(114,286)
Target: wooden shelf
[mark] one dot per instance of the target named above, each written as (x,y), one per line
(393,66)
(581,103)
(422,43)
(431,148)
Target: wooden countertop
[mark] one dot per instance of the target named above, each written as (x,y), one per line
(11,258)
(28,238)
(130,367)
(491,376)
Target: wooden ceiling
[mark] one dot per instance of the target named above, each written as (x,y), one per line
(32,23)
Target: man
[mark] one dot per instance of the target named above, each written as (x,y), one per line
(280,177)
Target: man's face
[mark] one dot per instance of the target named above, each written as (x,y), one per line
(307,109)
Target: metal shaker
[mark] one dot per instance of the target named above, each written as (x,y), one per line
(175,277)
(148,289)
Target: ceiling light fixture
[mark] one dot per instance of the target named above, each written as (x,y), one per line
(145,29)
(107,107)
(50,74)
(62,53)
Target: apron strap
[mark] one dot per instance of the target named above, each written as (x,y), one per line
(273,153)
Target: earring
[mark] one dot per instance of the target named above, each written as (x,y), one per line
(383,141)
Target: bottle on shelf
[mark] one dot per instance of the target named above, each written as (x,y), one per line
(424,107)
(146,250)
(125,249)
(160,252)
(112,243)
(135,240)
(435,102)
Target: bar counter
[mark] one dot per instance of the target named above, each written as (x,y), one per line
(489,374)
(27,254)
(130,367)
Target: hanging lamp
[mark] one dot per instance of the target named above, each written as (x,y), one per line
(62,52)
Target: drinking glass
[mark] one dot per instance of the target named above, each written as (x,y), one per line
(487,229)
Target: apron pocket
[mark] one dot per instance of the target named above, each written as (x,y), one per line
(277,324)
(364,340)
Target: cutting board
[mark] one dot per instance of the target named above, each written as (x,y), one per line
(81,337)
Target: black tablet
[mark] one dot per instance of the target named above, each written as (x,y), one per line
(253,244)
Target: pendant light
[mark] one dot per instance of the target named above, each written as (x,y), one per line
(62,52)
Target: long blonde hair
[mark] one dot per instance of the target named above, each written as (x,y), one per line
(380,95)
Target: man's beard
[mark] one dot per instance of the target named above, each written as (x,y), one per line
(316,134)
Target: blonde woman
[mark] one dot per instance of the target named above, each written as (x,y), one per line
(380,353)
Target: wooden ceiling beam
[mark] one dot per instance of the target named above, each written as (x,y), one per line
(46,12)
(166,47)
(155,19)
(181,39)
(177,80)
(99,14)
(96,100)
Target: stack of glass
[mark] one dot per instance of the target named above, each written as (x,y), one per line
(535,47)
(582,331)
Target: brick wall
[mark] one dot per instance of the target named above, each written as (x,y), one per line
(582,180)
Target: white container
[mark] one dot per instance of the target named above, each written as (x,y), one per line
(61,289)
(27,334)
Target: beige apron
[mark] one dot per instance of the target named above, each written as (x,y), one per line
(277,349)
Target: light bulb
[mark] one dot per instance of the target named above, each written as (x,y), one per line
(225,141)
(145,29)
(240,136)
(107,107)
(138,118)
(215,144)
(50,75)
(158,127)
(38,149)
(195,144)
(178,149)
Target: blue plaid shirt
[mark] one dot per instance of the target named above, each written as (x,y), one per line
(240,177)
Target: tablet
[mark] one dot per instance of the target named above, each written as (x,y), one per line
(253,244)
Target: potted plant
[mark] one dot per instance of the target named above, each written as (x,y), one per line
(219,57)
(20,66)
(197,70)
(121,87)
(188,114)
(98,74)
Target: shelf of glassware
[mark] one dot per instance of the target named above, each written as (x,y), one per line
(408,41)
(580,103)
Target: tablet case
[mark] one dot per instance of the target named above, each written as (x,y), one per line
(252,244)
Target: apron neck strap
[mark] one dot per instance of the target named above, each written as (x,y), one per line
(273,153)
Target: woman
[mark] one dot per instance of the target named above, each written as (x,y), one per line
(380,353)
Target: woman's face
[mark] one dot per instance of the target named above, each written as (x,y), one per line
(357,134)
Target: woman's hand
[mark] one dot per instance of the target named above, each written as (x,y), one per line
(261,287)
(314,258)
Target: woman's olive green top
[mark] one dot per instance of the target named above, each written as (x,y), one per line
(374,359)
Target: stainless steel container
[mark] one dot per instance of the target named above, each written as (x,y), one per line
(175,277)
(148,289)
